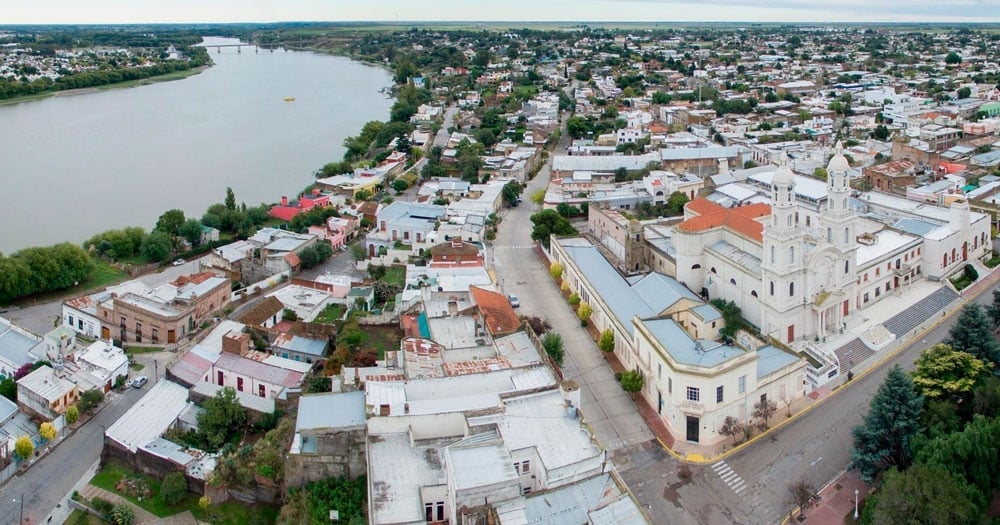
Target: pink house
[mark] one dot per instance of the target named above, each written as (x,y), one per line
(286,211)
(337,231)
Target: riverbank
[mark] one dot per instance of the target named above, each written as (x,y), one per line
(175,75)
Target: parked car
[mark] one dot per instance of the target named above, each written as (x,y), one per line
(514,301)
(139,382)
(179,262)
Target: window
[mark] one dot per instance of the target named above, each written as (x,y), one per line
(429,511)
(69,320)
(670,385)
(847,235)
(791,289)
(525,491)
(847,267)
(772,288)
(773,251)
(742,385)
(659,370)
(718,394)
(261,391)
(791,254)
(239,384)
(526,467)
(693,394)
(829,235)
(878,271)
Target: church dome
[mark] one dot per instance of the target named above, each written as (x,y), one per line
(839,161)
(784,175)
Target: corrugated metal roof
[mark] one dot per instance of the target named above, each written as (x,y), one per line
(150,417)
(331,411)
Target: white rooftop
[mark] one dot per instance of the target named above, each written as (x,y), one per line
(150,417)
(886,242)
(104,355)
(396,473)
(44,382)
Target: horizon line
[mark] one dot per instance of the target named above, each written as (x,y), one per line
(458,22)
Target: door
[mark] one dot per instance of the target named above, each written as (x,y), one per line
(222,378)
(965,251)
(659,402)
(692,429)
(791,333)
(171,336)
(105,333)
(847,304)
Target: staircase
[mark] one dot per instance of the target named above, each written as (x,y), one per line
(852,353)
(924,309)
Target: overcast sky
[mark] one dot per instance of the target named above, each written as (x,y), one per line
(138,11)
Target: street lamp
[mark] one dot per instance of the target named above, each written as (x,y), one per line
(855,504)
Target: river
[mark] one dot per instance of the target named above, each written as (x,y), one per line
(72,166)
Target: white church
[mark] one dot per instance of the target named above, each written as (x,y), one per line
(799,266)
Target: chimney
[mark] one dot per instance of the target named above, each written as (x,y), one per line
(284,200)
(236,343)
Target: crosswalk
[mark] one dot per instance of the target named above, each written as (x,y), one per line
(729,477)
(511,247)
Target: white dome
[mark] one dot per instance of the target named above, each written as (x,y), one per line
(839,161)
(784,175)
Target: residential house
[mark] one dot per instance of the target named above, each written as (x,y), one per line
(403,222)
(327,425)
(265,313)
(45,394)
(297,348)
(287,212)
(892,177)
(18,347)
(164,314)
(456,253)
(105,362)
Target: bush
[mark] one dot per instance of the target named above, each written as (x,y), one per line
(23,447)
(123,514)
(89,400)
(574,298)
(47,431)
(174,488)
(553,345)
(102,506)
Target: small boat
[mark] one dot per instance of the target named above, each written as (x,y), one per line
(289,99)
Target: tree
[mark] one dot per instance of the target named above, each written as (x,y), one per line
(23,447)
(547,223)
(552,343)
(156,246)
(400,185)
(676,202)
(968,455)
(731,427)
(47,430)
(964,92)
(881,132)
(556,270)
(972,334)
(584,312)
(170,222)
(191,231)
(230,199)
(937,497)
(631,381)
(994,309)
(315,255)
(511,192)
(800,494)
(8,389)
(174,488)
(952,58)
(942,372)
(123,514)
(221,417)
(607,341)
(90,399)
(72,414)
(763,410)
(893,419)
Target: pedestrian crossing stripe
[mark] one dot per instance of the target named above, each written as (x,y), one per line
(729,477)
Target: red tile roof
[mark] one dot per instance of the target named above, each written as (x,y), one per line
(738,220)
(498,314)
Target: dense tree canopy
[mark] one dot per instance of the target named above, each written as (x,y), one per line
(972,333)
(549,222)
(893,419)
(36,270)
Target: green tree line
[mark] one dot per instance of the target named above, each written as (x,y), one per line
(42,269)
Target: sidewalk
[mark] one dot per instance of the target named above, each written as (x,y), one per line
(836,501)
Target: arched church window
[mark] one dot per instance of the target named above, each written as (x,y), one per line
(791,289)
(847,235)
(791,255)
(829,235)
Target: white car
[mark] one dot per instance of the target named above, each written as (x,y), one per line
(514,301)
(178,262)
(139,382)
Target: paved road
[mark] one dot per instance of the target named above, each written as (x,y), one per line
(815,447)
(47,483)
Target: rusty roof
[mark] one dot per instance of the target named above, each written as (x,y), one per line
(262,311)
(498,314)
(739,220)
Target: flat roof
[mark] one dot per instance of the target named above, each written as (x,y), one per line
(886,242)
(685,350)
(150,417)
(397,470)
(263,405)
(331,411)
(541,422)
(16,345)
(771,359)
(471,466)
(44,382)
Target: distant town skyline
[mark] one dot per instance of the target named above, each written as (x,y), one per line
(191,11)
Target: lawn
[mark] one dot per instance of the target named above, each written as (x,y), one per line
(395,275)
(135,349)
(330,314)
(229,512)
(382,338)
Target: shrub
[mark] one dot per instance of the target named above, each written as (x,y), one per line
(23,447)
(556,270)
(102,506)
(174,488)
(89,400)
(553,345)
(574,298)
(47,431)
(123,514)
